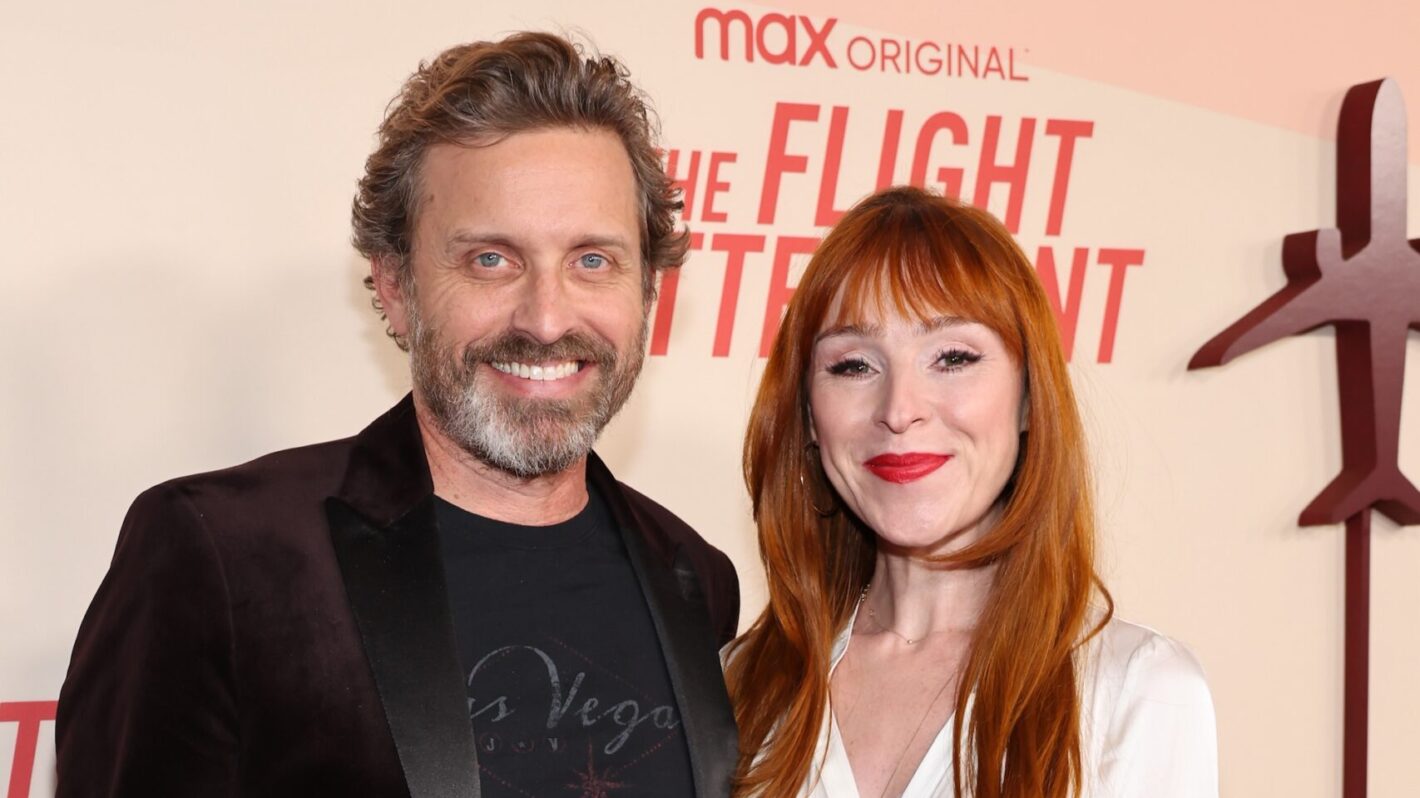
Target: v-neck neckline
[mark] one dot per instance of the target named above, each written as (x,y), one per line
(837,776)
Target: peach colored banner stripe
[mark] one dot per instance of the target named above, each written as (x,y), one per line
(1284,64)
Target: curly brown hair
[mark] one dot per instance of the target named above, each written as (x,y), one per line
(473,93)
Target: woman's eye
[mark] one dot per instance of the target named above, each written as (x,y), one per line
(851,367)
(957,358)
(592,260)
(489,260)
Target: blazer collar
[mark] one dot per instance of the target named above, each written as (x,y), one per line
(386,541)
(678,611)
(658,545)
(388,473)
(387,544)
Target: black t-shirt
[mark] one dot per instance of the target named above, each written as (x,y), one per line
(567,687)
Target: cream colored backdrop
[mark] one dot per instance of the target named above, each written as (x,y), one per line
(175,184)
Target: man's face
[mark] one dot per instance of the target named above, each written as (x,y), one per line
(526,320)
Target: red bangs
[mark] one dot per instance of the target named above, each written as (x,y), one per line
(909,261)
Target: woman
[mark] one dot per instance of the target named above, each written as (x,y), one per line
(935,624)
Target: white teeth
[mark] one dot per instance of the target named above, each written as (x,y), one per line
(540,373)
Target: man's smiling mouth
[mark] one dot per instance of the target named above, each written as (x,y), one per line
(539,371)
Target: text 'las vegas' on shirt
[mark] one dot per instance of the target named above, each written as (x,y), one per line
(568,692)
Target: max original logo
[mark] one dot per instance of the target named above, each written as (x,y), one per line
(780,29)
(782,39)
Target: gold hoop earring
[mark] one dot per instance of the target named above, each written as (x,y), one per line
(813,463)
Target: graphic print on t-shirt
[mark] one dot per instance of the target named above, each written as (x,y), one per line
(553,707)
(568,693)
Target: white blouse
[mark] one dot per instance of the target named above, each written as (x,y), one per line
(1148,727)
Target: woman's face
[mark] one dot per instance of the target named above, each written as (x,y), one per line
(918,423)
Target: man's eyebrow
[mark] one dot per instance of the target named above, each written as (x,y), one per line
(466,237)
(605,242)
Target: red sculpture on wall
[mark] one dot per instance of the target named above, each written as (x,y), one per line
(1363,278)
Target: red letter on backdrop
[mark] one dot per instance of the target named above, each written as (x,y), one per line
(1013,175)
(1067,314)
(827,215)
(780,161)
(1068,130)
(887,158)
(735,247)
(818,42)
(29,715)
(724,18)
(779,290)
(1118,260)
(713,186)
(665,303)
(950,177)
(790,27)
(687,183)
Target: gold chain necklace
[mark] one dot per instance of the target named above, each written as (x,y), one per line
(873,616)
(951,673)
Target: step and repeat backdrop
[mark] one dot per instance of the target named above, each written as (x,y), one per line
(175,186)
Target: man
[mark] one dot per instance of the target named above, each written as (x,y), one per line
(461,597)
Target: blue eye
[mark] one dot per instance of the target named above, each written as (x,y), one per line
(489,260)
(592,260)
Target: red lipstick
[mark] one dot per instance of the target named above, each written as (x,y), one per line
(904,468)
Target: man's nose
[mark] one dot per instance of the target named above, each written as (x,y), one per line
(545,309)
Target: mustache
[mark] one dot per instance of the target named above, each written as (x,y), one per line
(520,347)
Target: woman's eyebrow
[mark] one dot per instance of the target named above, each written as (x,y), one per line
(866,330)
(862,330)
(941,323)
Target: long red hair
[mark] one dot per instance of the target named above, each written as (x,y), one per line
(921,255)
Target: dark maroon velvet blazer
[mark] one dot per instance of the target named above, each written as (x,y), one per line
(282,628)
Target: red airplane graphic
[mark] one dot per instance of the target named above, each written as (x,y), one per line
(1362,277)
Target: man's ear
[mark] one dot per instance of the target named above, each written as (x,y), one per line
(389,290)
(648,298)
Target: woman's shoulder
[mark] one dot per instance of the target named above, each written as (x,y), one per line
(1138,659)
(1149,721)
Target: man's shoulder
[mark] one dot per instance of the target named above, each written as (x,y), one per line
(216,522)
(309,472)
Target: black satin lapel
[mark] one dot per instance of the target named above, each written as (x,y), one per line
(677,607)
(394,579)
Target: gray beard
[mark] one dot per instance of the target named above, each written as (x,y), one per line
(522,437)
